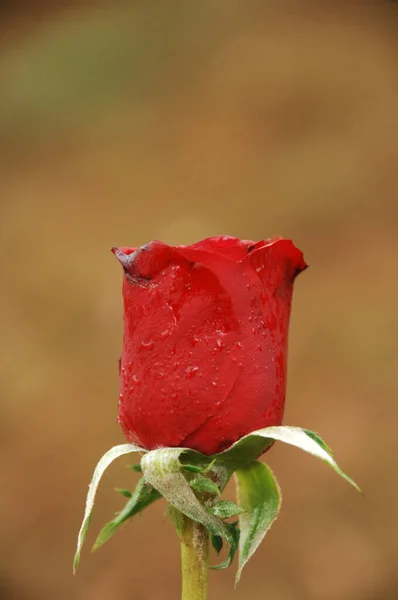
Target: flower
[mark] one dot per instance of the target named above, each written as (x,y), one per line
(205,340)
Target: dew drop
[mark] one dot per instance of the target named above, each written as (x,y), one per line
(148,344)
(190,371)
(195,340)
(164,334)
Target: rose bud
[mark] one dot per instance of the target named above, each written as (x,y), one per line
(205,340)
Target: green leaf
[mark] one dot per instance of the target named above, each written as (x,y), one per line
(136,468)
(163,470)
(143,496)
(123,492)
(259,495)
(224,509)
(317,438)
(193,461)
(250,447)
(209,466)
(217,543)
(102,465)
(192,468)
(202,484)
(234,533)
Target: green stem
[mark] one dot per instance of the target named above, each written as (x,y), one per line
(194,560)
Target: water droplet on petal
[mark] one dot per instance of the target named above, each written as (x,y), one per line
(190,371)
(148,344)
(195,340)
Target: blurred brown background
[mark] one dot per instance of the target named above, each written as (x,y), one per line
(121,122)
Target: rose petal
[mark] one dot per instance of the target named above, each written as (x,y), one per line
(228,246)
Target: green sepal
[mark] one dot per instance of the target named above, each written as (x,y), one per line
(259,495)
(248,448)
(224,509)
(234,535)
(209,467)
(163,470)
(202,484)
(124,492)
(143,496)
(102,465)
(217,543)
(136,468)
(192,468)
(317,438)
(194,462)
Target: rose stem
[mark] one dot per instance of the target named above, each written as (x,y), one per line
(194,560)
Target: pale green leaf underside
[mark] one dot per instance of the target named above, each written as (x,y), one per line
(295,436)
(259,495)
(102,465)
(162,469)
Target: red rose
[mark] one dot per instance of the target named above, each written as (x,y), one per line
(205,340)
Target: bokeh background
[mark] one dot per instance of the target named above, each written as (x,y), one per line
(122,122)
